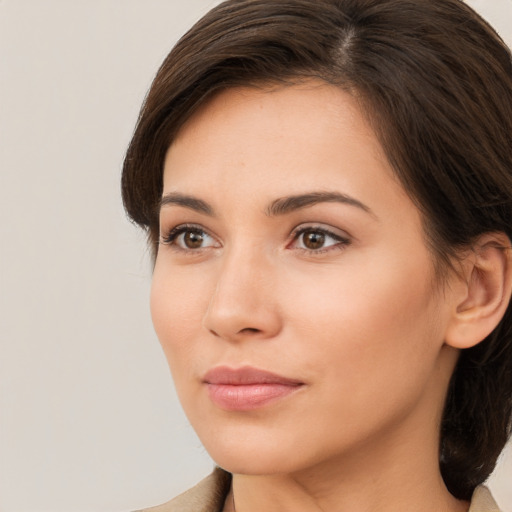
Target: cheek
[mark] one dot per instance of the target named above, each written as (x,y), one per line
(177,311)
(370,343)
(368,323)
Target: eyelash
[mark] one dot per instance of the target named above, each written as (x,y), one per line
(173,234)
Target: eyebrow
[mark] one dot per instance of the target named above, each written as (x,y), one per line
(190,202)
(280,206)
(285,205)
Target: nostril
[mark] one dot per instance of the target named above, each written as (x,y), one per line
(249,330)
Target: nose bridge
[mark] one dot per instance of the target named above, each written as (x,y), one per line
(242,302)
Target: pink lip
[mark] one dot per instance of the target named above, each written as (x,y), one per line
(246,388)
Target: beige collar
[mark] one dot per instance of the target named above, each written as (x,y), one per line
(483,501)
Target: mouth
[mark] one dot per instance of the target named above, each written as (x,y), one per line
(247,388)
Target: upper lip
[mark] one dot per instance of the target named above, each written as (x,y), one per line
(247,375)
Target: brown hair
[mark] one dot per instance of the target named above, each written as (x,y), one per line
(435,81)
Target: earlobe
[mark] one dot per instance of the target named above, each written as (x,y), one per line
(486,291)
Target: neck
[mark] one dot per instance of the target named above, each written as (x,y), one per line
(396,488)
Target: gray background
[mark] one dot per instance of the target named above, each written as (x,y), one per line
(88,416)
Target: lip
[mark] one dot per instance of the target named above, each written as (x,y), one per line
(247,388)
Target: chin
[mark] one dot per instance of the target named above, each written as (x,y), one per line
(253,453)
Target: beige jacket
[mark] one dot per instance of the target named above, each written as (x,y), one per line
(209,495)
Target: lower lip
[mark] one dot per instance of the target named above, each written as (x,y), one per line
(248,397)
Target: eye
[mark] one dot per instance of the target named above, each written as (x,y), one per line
(316,239)
(189,238)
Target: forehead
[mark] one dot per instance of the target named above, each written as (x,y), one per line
(264,101)
(310,126)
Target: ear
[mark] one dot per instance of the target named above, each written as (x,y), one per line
(483,294)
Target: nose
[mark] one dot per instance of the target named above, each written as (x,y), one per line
(244,302)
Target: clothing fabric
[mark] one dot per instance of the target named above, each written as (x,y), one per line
(209,496)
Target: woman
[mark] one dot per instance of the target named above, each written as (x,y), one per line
(327,189)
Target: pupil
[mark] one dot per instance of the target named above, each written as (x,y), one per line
(314,239)
(193,240)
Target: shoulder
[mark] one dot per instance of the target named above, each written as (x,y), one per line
(483,501)
(207,496)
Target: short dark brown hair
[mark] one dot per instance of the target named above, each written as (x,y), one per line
(435,81)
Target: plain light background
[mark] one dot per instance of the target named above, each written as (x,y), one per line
(88,417)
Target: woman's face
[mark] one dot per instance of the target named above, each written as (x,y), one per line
(293,292)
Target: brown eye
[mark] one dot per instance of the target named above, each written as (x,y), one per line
(313,240)
(190,238)
(317,240)
(193,239)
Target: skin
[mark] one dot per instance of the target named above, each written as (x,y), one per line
(359,321)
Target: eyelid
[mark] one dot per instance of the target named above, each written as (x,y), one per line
(320,226)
